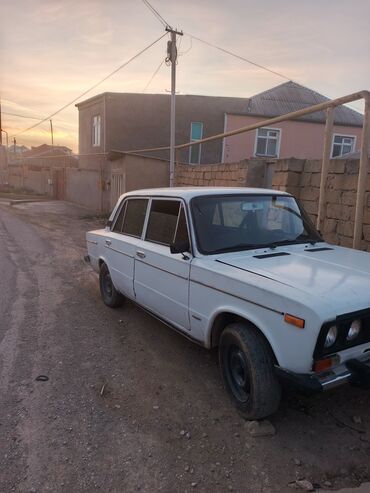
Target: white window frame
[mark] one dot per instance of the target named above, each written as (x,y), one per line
(96,130)
(279,130)
(354,137)
(195,140)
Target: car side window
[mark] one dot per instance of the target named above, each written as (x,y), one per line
(182,234)
(117,228)
(162,221)
(135,217)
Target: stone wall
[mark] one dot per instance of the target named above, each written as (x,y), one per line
(302,179)
(251,173)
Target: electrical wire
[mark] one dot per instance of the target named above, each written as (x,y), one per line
(279,74)
(157,14)
(93,86)
(20,116)
(228,52)
(153,75)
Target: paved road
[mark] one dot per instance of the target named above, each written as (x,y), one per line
(163,422)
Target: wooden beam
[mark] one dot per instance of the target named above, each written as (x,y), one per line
(325,163)
(362,176)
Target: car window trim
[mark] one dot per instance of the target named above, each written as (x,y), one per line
(125,201)
(184,204)
(172,199)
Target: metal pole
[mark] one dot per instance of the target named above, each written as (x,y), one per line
(362,176)
(51,132)
(325,162)
(172,55)
(173,107)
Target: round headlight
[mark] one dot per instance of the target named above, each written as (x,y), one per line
(331,336)
(354,330)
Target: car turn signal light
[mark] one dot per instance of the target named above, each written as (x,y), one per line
(296,321)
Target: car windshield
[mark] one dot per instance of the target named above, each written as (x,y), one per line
(240,222)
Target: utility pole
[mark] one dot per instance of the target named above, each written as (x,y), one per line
(172,57)
(14,144)
(51,132)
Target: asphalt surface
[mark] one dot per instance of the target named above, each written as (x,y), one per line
(129,405)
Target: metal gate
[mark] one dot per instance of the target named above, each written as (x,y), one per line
(117,187)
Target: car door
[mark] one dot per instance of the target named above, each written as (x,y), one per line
(122,243)
(162,279)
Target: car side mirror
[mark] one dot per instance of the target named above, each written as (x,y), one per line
(180,247)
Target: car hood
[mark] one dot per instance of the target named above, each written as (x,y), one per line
(340,276)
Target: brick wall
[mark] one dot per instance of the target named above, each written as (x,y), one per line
(302,179)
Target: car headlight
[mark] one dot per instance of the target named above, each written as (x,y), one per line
(354,330)
(331,336)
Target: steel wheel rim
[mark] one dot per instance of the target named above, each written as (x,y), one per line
(107,285)
(238,373)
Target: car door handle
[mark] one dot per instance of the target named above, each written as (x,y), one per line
(108,242)
(140,254)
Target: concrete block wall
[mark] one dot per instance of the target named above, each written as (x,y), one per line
(246,173)
(302,179)
(213,175)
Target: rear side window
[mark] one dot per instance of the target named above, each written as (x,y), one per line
(117,228)
(162,221)
(134,217)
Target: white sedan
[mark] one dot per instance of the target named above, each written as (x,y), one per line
(243,270)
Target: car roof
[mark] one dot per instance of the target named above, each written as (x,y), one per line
(188,193)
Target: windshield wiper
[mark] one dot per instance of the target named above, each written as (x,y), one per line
(294,241)
(239,246)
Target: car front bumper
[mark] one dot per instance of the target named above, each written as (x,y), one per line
(353,371)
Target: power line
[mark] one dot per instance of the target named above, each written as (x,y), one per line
(279,74)
(228,52)
(153,75)
(93,87)
(157,14)
(21,116)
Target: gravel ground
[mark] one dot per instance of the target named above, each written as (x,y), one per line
(163,421)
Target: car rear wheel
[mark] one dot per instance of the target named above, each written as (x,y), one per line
(109,294)
(246,364)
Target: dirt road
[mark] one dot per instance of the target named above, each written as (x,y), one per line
(163,423)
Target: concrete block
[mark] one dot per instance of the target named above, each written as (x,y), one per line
(345,241)
(310,206)
(295,165)
(345,228)
(305,179)
(366,232)
(339,212)
(315,180)
(348,198)
(337,165)
(313,166)
(352,166)
(333,196)
(329,226)
(309,193)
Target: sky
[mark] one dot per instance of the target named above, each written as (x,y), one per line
(53,50)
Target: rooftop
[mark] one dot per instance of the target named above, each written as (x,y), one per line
(190,192)
(290,96)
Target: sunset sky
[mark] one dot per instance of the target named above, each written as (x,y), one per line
(53,50)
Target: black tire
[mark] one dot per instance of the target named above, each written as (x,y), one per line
(246,363)
(109,294)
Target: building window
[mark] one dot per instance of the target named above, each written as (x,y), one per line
(267,142)
(196,133)
(96,130)
(342,144)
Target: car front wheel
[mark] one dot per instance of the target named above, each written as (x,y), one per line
(109,294)
(246,364)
